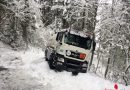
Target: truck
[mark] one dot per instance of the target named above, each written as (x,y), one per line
(71,51)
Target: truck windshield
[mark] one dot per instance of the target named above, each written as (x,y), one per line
(78,41)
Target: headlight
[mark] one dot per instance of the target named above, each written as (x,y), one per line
(68,53)
(60,59)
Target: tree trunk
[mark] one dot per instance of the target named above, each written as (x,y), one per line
(98,57)
(83,23)
(107,68)
(91,61)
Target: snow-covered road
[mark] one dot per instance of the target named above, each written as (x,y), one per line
(28,70)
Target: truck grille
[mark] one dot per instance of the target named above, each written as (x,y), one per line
(69,61)
(73,64)
(74,55)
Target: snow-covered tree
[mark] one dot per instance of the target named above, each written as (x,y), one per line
(25,22)
(114,41)
(74,14)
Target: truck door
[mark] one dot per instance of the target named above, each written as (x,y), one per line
(59,37)
(59,40)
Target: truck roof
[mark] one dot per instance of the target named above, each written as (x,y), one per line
(79,33)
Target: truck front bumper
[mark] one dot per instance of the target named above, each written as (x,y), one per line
(71,65)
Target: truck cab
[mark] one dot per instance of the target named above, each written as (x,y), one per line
(70,50)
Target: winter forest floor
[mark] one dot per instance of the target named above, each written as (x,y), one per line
(28,70)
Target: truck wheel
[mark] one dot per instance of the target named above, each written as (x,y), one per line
(51,62)
(75,73)
(59,68)
(51,65)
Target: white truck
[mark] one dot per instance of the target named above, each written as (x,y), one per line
(70,50)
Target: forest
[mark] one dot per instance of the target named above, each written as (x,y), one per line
(25,23)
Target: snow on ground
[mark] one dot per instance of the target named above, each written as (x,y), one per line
(28,70)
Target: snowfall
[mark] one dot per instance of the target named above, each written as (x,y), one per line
(28,70)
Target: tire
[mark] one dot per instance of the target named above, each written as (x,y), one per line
(59,68)
(51,64)
(75,73)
